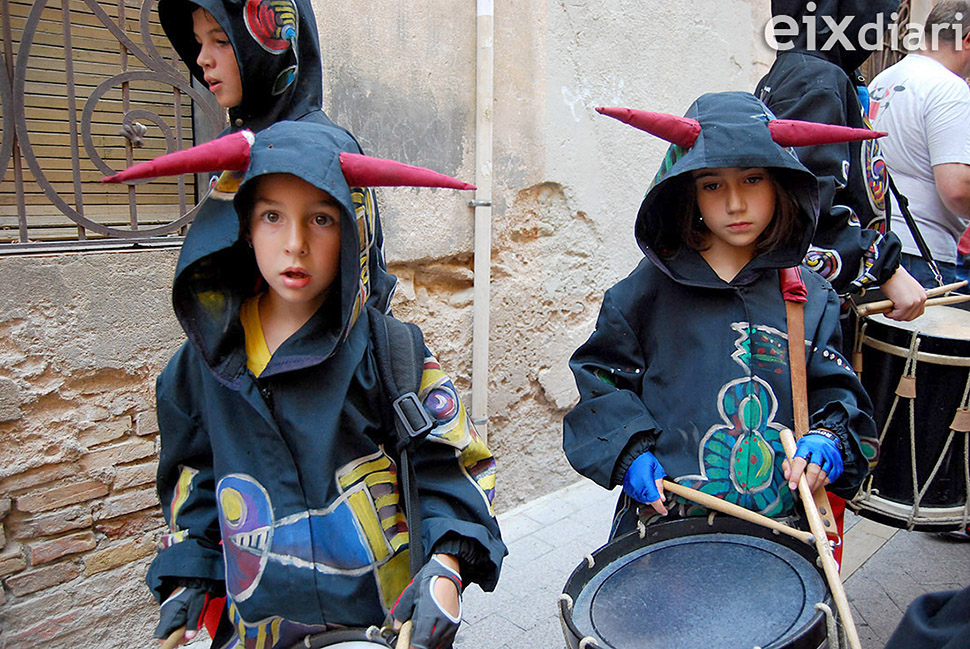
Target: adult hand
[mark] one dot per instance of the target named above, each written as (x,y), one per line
(183,608)
(908,297)
(643,482)
(432,601)
(818,457)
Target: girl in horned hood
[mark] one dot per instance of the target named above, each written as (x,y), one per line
(278,471)
(687,371)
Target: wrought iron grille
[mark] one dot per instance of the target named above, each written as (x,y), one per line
(87,88)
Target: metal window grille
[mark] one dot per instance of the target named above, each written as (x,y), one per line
(87,88)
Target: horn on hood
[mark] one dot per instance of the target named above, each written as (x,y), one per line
(227,153)
(795,132)
(682,131)
(365,171)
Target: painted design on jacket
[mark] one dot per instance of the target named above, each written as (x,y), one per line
(740,460)
(329,541)
(269,633)
(876,180)
(454,427)
(865,277)
(763,347)
(365,215)
(273,24)
(824,261)
(182,491)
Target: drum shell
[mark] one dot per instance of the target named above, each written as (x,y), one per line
(939,389)
(811,635)
(350,638)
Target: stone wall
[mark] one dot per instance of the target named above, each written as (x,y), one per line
(83,336)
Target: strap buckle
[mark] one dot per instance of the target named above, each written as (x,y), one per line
(412,416)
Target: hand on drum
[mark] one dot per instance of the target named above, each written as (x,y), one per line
(819,457)
(907,295)
(643,482)
(432,601)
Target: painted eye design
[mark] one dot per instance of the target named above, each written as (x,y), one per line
(442,404)
(272,23)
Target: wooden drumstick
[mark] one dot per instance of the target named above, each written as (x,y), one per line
(173,639)
(829,566)
(723,506)
(885,306)
(404,636)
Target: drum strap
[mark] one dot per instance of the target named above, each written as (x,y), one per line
(795,294)
(924,249)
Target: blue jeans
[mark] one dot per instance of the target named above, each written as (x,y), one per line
(920,270)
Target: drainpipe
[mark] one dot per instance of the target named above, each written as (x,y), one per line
(483,213)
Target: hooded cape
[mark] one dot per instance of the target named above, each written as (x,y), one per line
(695,368)
(294,472)
(814,78)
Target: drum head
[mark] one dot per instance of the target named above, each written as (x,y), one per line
(718,589)
(351,638)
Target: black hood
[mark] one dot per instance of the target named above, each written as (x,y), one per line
(734,133)
(278,83)
(217,269)
(813,28)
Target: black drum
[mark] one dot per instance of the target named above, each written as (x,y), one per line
(918,376)
(691,584)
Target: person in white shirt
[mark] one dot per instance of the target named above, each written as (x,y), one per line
(923,102)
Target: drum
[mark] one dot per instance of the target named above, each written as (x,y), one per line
(918,377)
(695,584)
(351,638)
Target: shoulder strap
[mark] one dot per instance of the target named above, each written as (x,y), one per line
(796,295)
(399,352)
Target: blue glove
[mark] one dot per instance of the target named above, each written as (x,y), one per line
(821,450)
(184,607)
(640,480)
(432,627)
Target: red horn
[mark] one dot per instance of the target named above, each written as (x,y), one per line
(227,153)
(676,130)
(795,132)
(365,171)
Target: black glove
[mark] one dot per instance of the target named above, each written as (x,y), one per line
(432,626)
(184,607)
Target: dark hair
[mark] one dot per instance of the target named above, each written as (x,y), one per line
(689,230)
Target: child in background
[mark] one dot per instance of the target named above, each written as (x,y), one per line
(278,470)
(687,371)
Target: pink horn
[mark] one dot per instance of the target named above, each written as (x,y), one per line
(676,130)
(227,153)
(795,132)
(365,171)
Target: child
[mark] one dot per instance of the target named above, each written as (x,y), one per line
(261,60)
(278,471)
(815,78)
(687,373)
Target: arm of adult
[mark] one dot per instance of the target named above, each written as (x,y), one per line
(953,185)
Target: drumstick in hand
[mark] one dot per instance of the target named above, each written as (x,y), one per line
(885,306)
(173,639)
(829,566)
(723,506)
(404,636)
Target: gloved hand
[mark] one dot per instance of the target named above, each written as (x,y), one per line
(184,607)
(433,627)
(818,449)
(643,481)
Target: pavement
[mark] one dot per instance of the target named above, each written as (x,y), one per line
(883,570)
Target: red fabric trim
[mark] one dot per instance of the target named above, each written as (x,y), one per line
(792,287)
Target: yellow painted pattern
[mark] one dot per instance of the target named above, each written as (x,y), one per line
(182,491)
(367,517)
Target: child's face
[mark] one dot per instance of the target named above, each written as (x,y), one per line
(736,204)
(217,59)
(295,232)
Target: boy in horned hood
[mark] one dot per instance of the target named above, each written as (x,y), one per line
(815,77)
(278,471)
